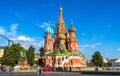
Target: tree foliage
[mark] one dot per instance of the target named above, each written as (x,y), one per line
(40,62)
(30,55)
(97,59)
(12,54)
(90,64)
(41,50)
(108,64)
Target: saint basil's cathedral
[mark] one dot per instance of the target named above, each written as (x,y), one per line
(62,51)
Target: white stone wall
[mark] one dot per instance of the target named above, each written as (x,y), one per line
(1,52)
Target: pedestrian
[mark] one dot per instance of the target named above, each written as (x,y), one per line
(38,70)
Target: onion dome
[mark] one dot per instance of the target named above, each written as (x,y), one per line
(72,29)
(49,30)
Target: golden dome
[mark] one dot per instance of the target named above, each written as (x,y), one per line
(61,9)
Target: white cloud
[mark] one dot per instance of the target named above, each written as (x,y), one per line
(14,27)
(25,41)
(95,45)
(95,37)
(118,49)
(90,45)
(52,24)
(37,44)
(82,50)
(8,33)
(2,44)
(85,46)
(2,31)
(13,30)
(44,25)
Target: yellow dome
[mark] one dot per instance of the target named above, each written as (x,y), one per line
(61,9)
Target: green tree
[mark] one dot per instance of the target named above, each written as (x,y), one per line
(90,64)
(55,51)
(17,48)
(108,64)
(40,62)
(8,55)
(11,54)
(41,50)
(97,59)
(30,55)
(42,53)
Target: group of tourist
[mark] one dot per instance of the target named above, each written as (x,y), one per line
(5,68)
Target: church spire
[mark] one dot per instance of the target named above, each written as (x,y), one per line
(49,23)
(71,22)
(60,27)
(60,20)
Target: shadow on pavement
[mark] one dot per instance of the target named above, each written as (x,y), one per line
(99,73)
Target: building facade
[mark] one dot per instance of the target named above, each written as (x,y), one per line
(116,63)
(62,51)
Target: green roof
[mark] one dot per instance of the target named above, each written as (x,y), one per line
(62,36)
(60,53)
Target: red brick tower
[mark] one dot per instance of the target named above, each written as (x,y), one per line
(48,43)
(60,29)
(72,41)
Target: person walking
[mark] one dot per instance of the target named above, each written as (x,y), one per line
(38,70)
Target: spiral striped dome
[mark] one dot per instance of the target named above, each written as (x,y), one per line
(49,30)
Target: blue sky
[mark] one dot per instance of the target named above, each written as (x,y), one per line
(97,23)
